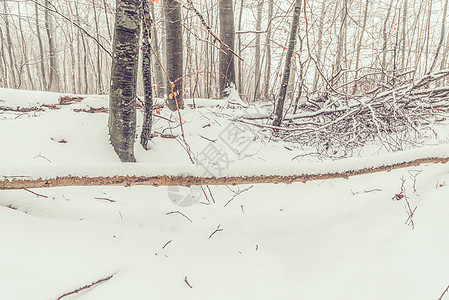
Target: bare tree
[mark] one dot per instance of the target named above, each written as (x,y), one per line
(279,111)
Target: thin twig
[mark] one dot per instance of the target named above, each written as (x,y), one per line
(106,199)
(216,230)
(165,245)
(178,212)
(187,282)
(34,193)
(86,287)
(238,193)
(445,291)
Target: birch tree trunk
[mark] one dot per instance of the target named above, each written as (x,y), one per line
(227,35)
(279,112)
(122,99)
(174,54)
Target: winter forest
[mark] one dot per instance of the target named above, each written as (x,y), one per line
(220,149)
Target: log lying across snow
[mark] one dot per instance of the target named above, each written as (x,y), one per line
(128,174)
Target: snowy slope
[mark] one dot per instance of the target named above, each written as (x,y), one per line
(333,239)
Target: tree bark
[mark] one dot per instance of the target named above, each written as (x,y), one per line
(122,99)
(9,46)
(404,33)
(442,34)
(268,51)
(156,62)
(227,36)
(384,48)
(41,48)
(53,78)
(239,40)
(174,54)
(319,62)
(146,72)
(279,112)
(359,46)
(258,66)
(21,182)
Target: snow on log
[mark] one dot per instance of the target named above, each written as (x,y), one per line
(127,174)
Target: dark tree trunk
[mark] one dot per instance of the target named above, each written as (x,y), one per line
(288,61)
(227,35)
(173,54)
(122,100)
(146,72)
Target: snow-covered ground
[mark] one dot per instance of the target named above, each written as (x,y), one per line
(333,239)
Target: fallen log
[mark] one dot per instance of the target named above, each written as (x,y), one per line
(310,173)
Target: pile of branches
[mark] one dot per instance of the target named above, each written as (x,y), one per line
(399,116)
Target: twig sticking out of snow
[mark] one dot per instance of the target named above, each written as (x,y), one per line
(238,193)
(216,230)
(34,193)
(410,212)
(445,291)
(178,212)
(166,244)
(187,282)
(86,287)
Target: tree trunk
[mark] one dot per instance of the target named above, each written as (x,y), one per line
(288,60)
(359,46)
(319,62)
(156,62)
(442,34)
(341,39)
(258,66)
(384,48)
(239,39)
(97,33)
(404,33)
(122,99)
(3,67)
(227,36)
(268,50)
(24,49)
(174,54)
(146,72)
(41,49)
(53,79)
(9,46)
